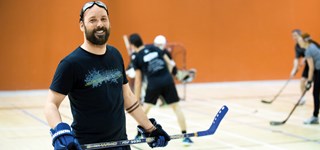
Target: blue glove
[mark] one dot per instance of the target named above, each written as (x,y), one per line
(161,136)
(63,138)
(308,85)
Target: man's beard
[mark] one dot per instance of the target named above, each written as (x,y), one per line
(97,40)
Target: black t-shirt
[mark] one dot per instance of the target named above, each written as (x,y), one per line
(299,51)
(167,53)
(132,57)
(152,64)
(93,84)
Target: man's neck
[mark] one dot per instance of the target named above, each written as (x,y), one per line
(95,49)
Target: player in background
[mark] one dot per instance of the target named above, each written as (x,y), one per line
(300,54)
(130,69)
(299,61)
(156,66)
(312,55)
(183,76)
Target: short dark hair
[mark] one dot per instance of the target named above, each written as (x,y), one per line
(135,40)
(298,31)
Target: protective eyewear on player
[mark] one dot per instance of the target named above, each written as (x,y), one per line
(91,4)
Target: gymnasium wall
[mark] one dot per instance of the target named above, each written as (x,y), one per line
(229,40)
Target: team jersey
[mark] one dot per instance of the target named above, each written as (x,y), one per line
(152,64)
(132,57)
(164,50)
(93,84)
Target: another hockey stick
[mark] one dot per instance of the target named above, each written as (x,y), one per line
(214,126)
(127,44)
(275,97)
(275,123)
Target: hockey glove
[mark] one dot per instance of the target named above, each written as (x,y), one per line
(161,137)
(308,85)
(63,138)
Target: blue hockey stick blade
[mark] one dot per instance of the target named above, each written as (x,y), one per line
(216,121)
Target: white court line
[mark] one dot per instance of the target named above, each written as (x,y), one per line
(253,140)
(224,143)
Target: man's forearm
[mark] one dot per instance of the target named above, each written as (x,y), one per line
(52,115)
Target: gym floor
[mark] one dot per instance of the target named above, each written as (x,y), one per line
(246,125)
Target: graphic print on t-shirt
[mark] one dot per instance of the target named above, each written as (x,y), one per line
(155,63)
(95,77)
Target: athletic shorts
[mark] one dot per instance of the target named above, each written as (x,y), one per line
(169,93)
(305,71)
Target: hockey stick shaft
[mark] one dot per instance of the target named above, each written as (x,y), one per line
(127,44)
(276,96)
(284,86)
(214,126)
(295,106)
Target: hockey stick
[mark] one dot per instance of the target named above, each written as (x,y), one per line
(214,126)
(127,44)
(275,97)
(275,123)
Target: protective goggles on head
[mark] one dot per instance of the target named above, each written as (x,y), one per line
(91,4)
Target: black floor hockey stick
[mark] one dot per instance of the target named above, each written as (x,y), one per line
(214,126)
(275,123)
(275,97)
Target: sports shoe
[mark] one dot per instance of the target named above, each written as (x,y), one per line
(187,141)
(312,120)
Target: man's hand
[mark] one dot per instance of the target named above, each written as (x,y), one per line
(293,72)
(161,137)
(63,138)
(308,85)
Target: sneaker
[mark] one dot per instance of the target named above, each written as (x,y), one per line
(312,120)
(187,141)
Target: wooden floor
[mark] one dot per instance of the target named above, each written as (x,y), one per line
(246,126)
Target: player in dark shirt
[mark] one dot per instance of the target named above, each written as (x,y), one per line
(94,79)
(299,54)
(151,62)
